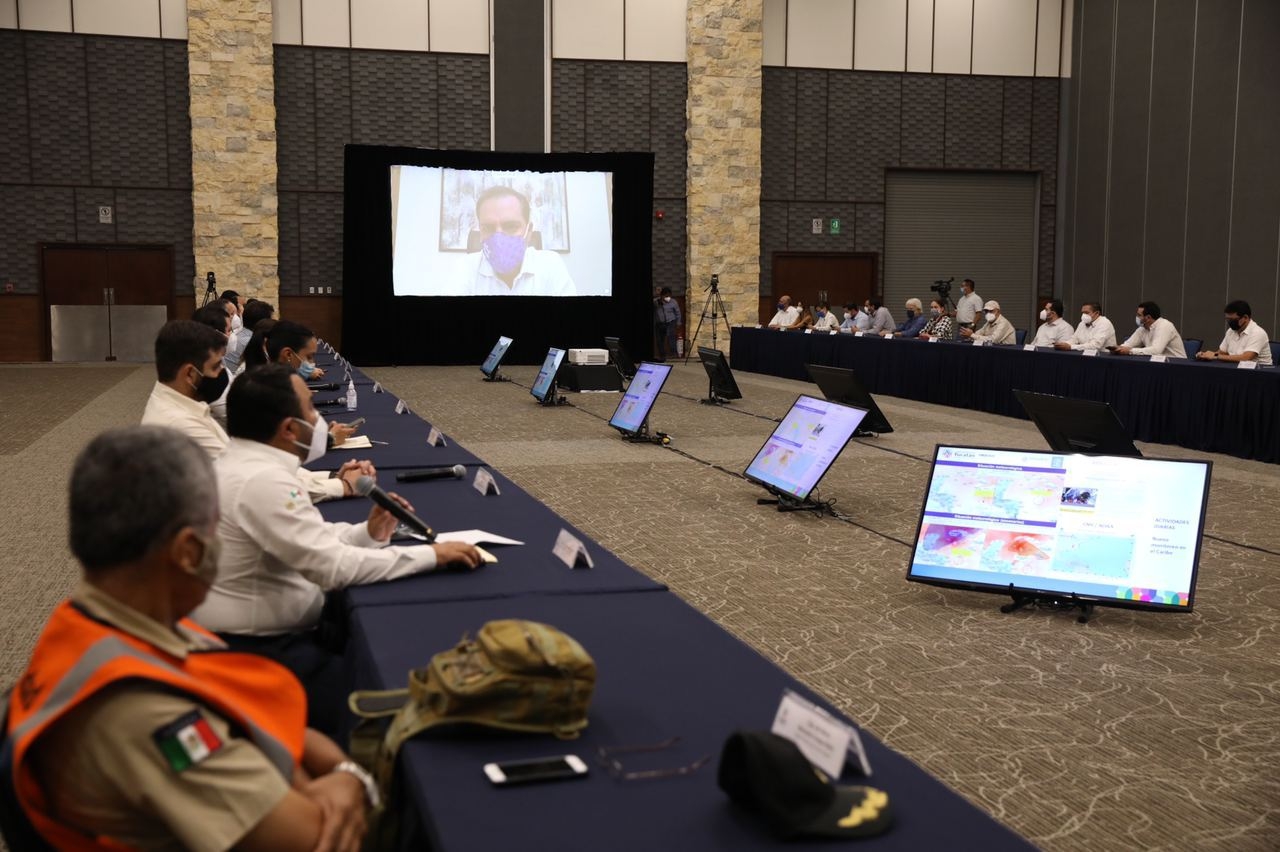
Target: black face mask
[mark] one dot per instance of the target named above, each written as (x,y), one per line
(211,388)
(1233,324)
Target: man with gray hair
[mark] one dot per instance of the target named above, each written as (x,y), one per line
(133,726)
(915,321)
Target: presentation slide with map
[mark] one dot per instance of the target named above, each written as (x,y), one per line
(804,445)
(634,406)
(1101,527)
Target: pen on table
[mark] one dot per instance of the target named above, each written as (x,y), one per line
(383,443)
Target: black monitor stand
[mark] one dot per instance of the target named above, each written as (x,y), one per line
(644,436)
(787,503)
(1062,603)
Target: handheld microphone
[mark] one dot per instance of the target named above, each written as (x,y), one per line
(326,386)
(425,473)
(320,403)
(366,487)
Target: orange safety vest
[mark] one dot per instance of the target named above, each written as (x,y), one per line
(77,655)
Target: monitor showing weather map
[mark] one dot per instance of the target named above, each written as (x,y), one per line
(804,445)
(1104,528)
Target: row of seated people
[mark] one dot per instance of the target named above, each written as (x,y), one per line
(1243,340)
(184,695)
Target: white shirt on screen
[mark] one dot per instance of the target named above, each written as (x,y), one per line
(1049,333)
(279,555)
(542,273)
(1250,339)
(1161,339)
(1097,335)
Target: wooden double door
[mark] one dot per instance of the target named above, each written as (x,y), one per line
(838,278)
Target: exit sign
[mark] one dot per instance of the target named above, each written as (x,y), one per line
(835,226)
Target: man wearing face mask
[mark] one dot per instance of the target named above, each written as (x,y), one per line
(132,727)
(823,319)
(855,319)
(969,305)
(279,556)
(881,318)
(666,319)
(508,264)
(1053,329)
(1155,335)
(787,316)
(295,346)
(998,331)
(190,376)
(1094,332)
(914,323)
(1245,339)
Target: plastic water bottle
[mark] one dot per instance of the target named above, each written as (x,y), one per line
(351,396)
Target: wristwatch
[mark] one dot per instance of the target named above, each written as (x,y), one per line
(370,786)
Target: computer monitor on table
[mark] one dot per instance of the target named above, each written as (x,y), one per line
(491,363)
(632,414)
(544,386)
(1077,425)
(840,384)
(620,357)
(803,447)
(723,387)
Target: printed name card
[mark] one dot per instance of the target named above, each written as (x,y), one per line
(1246,365)
(571,551)
(824,739)
(1030,347)
(377,388)
(934,339)
(401,407)
(887,335)
(436,438)
(859,333)
(1159,359)
(835,331)
(758,325)
(484,483)
(977,341)
(808,331)
(1090,353)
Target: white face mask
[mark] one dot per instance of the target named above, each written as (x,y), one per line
(236,322)
(1044,315)
(1137,321)
(991,316)
(319,439)
(1086,319)
(666,298)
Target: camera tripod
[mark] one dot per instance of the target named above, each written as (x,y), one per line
(210,291)
(713,309)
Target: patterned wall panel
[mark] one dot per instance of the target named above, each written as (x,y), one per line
(1048,224)
(15,157)
(59,110)
(669,245)
(31,215)
(177,105)
(924,107)
(161,216)
(862,134)
(1016,130)
(617,106)
(811,134)
(973,122)
(320,215)
(128,138)
(668,85)
(290,267)
(568,106)
(869,235)
(800,216)
(778,134)
(463,101)
(1044,137)
(88,228)
(295,118)
(333,115)
(773,238)
(393,98)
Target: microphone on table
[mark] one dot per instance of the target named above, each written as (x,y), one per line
(424,473)
(366,487)
(327,386)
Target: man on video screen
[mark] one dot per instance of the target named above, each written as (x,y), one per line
(508,263)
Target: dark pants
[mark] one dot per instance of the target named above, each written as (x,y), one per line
(321,671)
(666,333)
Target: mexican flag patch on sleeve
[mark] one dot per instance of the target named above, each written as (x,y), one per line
(186,741)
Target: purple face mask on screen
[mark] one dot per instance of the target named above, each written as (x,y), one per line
(504,252)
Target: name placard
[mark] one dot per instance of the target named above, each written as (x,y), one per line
(934,339)
(977,341)
(1247,365)
(1159,359)
(1090,353)
(484,483)
(835,331)
(435,438)
(402,407)
(1030,347)
(808,331)
(571,551)
(859,333)
(828,742)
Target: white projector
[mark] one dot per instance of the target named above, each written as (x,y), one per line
(589,356)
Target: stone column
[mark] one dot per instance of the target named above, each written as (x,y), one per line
(725,53)
(233,144)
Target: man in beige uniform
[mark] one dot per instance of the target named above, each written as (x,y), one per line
(143,516)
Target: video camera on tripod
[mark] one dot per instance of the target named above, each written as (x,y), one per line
(943,288)
(714,285)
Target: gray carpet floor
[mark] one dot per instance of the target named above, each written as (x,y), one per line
(1138,730)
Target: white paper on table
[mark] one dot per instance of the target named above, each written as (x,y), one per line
(356,442)
(475,537)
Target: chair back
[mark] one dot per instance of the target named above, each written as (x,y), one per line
(1192,345)
(1020,336)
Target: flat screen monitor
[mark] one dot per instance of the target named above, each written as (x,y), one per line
(804,446)
(1113,530)
(1077,425)
(490,365)
(546,381)
(840,384)
(722,382)
(633,408)
(620,357)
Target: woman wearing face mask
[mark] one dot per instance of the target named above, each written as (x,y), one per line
(939,325)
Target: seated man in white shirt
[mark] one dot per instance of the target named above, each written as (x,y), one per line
(1245,339)
(507,264)
(1094,332)
(216,317)
(787,315)
(1053,329)
(295,346)
(823,319)
(998,331)
(278,555)
(189,376)
(1155,335)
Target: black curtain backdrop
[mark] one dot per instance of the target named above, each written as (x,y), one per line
(379,328)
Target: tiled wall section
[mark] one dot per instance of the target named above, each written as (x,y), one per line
(828,137)
(90,121)
(326,98)
(631,106)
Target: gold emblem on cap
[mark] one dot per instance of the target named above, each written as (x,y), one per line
(865,811)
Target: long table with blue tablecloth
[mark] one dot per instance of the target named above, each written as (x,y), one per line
(1202,405)
(664,670)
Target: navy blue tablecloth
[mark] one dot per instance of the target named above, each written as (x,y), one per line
(528,569)
(1197,404)
(664,670)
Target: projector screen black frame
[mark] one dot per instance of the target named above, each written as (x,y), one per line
(380,328)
